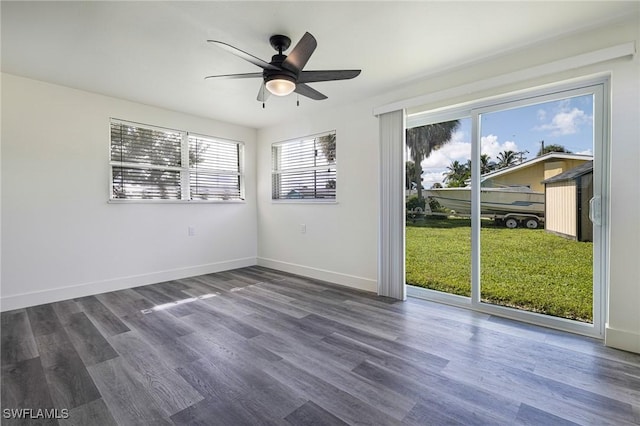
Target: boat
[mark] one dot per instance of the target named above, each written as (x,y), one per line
(518,202)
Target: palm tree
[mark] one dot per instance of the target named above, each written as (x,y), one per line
(328,145)
(456,175)
(412,174)
(485,164)
(507,159)
(424,139)
(544,149)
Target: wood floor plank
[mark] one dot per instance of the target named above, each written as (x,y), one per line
(90,344)
(64,309)
(337,315)
(216,282)
(123,393)
(532,416)
(227,303)
(158,324)
(223,411)
(283,339)
(231,344)
(436,392)
(342,404)
(66,375)
(24,386)
(43,320)
(264,301)
(392,346)
(124,302)
(585,407)
(162,331)
(196,287)
(91,413)
(226,314)
(394,362)
(18,343)
(338,375)
(170,391)
(104,319)
(311,414)
(154,294)
(246,378)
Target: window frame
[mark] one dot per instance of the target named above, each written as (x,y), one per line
(184,169)
(333,165)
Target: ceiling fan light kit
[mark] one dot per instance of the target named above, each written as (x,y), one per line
(280,86)
(284,74)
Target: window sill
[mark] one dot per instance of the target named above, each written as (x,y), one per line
(303,201)
(176,201)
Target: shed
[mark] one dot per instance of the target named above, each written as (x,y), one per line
(532,172)
(567,198)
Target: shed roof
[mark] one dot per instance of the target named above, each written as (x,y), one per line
(550,156)
(572,174)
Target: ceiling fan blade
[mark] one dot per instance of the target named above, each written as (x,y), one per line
(300,54)
(232,76)
(263,93)
(244,55)
(309,92)
(313,76)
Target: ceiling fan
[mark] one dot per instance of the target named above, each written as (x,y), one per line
(285,74)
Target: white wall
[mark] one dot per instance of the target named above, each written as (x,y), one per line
(341,239)
(60,237)
(340,243)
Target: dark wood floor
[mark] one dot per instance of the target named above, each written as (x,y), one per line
(265,347)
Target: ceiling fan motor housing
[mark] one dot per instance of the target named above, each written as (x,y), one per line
(277,60)
(280,42)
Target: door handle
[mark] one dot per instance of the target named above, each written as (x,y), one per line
(595,210)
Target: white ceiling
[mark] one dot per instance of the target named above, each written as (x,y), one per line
(156,52)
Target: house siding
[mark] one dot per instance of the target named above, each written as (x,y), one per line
(534,175)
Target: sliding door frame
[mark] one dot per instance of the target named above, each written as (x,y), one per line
(599,87)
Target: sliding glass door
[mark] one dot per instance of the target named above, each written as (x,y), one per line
(530,233)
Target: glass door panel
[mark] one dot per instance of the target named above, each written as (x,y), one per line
(438,206)
(536,181)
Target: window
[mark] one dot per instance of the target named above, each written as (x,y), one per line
(304,168)
(153,163)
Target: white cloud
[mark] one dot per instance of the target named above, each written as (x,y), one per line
(459,149)
(586,152)
(566,121)
(492,147)
(428,179)
(542,114)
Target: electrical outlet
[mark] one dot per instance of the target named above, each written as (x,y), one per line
(303,228)
(192,231)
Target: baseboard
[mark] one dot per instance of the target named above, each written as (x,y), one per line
(346,280)
(24,300)
(622,339)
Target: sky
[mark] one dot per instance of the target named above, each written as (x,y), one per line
(567,122)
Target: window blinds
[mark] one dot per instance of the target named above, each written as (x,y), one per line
(305,168)
(214,169)
(162,164)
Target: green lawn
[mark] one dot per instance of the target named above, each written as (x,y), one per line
(524,268)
